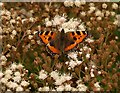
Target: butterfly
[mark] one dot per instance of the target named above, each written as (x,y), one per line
(60,42)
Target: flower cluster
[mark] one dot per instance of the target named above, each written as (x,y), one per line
(62,23)
(13,78)
(77,3)
(61,83)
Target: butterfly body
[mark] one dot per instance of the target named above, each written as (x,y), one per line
(60,42)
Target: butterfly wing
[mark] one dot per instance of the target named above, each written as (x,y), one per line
(48,37)
(76,38)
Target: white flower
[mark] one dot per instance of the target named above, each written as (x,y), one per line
(17,73)
(97,86)
(18,18)
(48,23)
(1,75)
(89,40)
(92,74)
(32,19)
(20,66)
(3,63)
(9,90)
(53,90)
(3,58)
(35,32)
(62,19)
(12,36)
(112,13)
(104,5)
(46,19)
(107,13)
(68,87)
(62,79)
(72,63)
(14,48)
(93,66)
(8,71)
(30,37)
(67,77)
(1,30)
(17,79)
(83,13)
(68,3)
(24,20)
(4,80)
(24,83)
(75,61)
(12,85)
(92,69)
(59,81)
(72,55)
(1,4)
(42,74)
(74,89)
(12,21)
(85,48)
(68,30)
(70,25)
(79,81)
(116,37)
(66,62)
(99,72)
(8,76)
(6,14)
(54,75)
(58,20)
(78,62)
(92,9)
(115,6)
(115,22)
(87,56)
(60,88)
(81,87)
(83,2)
(19,88)
(77,3)
(80,52)
(91,4)
(81,27)
(13,66)
(28,32)
(8,45)
(39,89)
(86,68)
(45,88)
(98,13)
(99,18)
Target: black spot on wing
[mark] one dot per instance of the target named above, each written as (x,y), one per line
(73,33)
(47,32)
(84,32)
(40,33)
(51,33)
(74,38)
(78,32)
(49,38)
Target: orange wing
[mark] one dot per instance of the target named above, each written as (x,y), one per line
(47,37)
(77,37)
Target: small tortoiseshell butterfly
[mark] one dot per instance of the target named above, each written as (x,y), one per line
(60,42)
